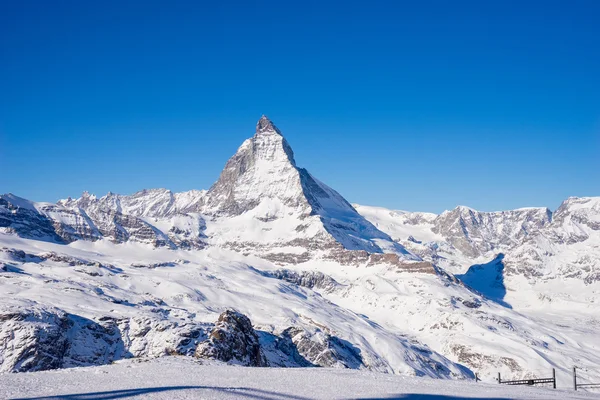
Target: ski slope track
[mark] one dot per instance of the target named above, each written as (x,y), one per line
(271,267)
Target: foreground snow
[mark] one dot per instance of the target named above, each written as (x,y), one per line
(183,378)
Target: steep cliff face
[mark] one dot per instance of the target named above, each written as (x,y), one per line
(262,168)
(32,339)
(21,217)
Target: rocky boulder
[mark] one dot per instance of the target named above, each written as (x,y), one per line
(233,339)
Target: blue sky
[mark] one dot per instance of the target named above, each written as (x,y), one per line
(408,105)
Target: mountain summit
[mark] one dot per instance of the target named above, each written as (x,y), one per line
(264,124)
(262,168)
(262,186)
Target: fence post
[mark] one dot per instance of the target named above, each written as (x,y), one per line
(575,378)
(499,380)
(553,378)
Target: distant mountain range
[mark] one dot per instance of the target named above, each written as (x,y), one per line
(90,280)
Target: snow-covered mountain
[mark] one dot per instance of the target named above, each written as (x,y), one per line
(262,203)
(534,242)
(313,280)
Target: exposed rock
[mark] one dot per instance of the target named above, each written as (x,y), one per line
(472,303)
(287,258)
(323,349)
(402,265)
(36,338)
(308,279)
(20,216)
(348,257)
(233,339)
(474,233)
(155,265)
(33,338)
(478,361)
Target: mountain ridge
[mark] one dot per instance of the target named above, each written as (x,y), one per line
(342,285)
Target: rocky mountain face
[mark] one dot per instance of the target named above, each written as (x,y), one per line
(477,233)
(294,276)
(535,243)
(279,205)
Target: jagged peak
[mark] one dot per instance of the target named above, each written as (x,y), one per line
(459,210)
(88,195)
(264,125)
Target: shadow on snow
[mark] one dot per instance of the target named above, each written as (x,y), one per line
(239,392)
(488,280)
(248,393)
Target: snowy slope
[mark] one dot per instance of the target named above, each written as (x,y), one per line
(541,267)
(546,257)
(171,293)
(148,302)
(177,378)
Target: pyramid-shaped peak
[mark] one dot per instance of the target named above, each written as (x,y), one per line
(265,125)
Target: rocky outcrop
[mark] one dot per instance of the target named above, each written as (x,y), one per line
(233,339)
(35,338)
(307,279)
(323,349)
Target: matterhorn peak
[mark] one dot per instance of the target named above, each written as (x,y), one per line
(264,125)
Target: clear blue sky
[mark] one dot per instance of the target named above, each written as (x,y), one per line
(418,105)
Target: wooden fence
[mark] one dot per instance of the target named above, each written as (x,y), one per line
(535,381)
(583,385)
(542,381)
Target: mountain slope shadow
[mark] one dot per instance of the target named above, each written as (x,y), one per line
(226,392)
(488,280)
(419,396)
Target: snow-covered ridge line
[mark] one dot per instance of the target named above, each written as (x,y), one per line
(592,201)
